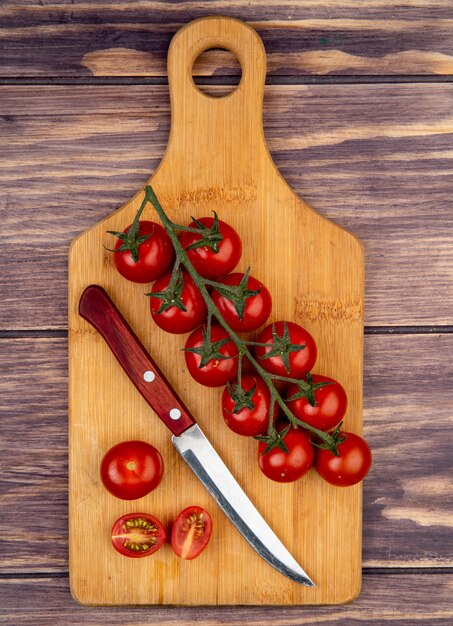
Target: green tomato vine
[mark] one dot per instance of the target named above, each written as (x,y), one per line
(273,437)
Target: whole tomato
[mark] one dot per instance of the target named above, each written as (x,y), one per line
(191,532)
(131,469)
(212,359)
(350,466)
(137,535)
(177,308)
(246,407)
(216,250)
(330,403)
(291,350)
(143,255)
(286,467)
(251,311)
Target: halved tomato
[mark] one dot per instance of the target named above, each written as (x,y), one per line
(137,535)
(191,532)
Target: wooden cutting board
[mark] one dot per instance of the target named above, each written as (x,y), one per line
(216,158)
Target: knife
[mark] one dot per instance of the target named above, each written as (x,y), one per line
(97,308)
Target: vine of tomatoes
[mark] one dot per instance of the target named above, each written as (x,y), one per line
(297,428)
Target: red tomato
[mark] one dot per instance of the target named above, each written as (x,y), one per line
(211,361)
(286,467)
(191,532)
(131,469)
(155,254)
(218,257)
(254,397)
(350,466)
(285,356)
(331,404)
(172,318)
(256,308)
(137,535)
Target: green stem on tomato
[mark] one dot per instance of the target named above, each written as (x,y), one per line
(209,324)
(174,275)
(187,229)
(136,223)
(241,344)
(240,355)
(213,283)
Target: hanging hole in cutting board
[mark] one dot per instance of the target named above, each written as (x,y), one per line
(223,69)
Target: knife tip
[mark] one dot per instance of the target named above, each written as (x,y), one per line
(303,579)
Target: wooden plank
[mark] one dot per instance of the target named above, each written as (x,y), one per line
(318,37)
(407,495)
(425,601)
(376,159)
(34,451)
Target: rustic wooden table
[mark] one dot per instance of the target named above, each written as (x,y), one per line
(359,119)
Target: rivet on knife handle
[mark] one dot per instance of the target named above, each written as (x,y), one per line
(97,308)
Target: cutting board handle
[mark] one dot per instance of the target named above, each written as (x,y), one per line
(208,114)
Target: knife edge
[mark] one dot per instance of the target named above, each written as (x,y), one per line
(205,462)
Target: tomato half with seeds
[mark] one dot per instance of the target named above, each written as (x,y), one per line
(211,360)
(137,535)
(178,308)
(131,469)
(291,350)
(246,407)
(330,407)
(191,532)
(154,254)
(255,308)
(286,467)
(218,250)
(350,466)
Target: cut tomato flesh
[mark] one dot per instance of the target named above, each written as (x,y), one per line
(137,535)
(191,532)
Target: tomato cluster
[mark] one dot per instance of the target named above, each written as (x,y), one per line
(214,248)
(288,351)
(284,350)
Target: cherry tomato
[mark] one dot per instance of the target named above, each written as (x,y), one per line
(285,356)
(331,404)
(219,258)
(167,310)
(212,361)
(137,535)
(350,466)
(154,255)
(284,467)
(191,532)
(131,469)
(256,308)
(254,397)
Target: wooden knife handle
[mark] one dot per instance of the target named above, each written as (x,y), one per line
(98,309)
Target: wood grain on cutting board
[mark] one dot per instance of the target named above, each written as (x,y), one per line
(216,159)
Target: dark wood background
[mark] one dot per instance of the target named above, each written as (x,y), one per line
(358,114)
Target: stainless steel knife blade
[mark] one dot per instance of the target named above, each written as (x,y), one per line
(97,308)
(199,454)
